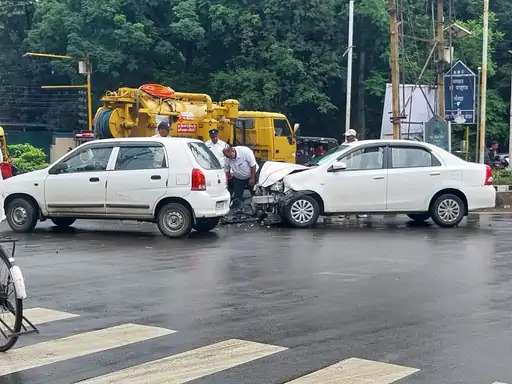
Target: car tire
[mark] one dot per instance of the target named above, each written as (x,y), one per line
(174,220)
(206,225)
(63,222)
(419,217)
(302,212)
(22,215)
(448,210)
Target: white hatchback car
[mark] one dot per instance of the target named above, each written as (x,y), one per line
(376,176)
(176,182)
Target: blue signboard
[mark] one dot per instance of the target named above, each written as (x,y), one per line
(459,91)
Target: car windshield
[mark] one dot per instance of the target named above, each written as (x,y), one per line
(327,156)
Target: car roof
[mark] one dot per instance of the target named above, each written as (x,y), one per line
(146,139)
(393,141)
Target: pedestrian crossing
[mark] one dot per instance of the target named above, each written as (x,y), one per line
(182,367)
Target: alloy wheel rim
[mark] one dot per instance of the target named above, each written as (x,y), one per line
(448,210)
(302,211)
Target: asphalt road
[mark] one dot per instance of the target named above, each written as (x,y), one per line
(391,301)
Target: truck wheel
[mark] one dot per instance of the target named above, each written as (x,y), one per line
(174,220)
(63,222)
(206,225)
(419,217)
(22,215)
(448,210)
(302,212)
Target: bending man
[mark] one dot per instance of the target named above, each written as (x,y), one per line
(240,168)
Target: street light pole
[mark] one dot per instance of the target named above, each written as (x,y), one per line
(483,101)
(87,86)
(349,63)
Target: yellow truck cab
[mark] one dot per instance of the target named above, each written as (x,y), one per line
(269,134)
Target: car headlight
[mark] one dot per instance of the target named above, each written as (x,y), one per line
(277,187)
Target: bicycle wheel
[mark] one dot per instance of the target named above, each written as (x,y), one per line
(11,308)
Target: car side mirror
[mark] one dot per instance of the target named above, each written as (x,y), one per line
(58,168)
(338,166)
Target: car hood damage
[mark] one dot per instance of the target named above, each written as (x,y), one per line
(272,172)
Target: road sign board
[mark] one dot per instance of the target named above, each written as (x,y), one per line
(437,132)
(459,91)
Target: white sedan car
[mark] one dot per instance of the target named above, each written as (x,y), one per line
(380,177)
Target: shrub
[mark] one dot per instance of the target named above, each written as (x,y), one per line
(27,158)
(502,177)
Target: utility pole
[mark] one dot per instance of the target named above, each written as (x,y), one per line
(349,64)
(483,89)
(510,117)
(440,54)
(393,30)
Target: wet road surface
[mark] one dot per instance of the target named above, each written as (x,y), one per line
(407,303)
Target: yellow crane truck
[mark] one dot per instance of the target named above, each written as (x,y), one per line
(136,112)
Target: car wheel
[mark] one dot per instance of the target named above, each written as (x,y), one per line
(174,220)
(22,215)
(448,210)
(63,222)
(206,225)
(302,212)
(419,217)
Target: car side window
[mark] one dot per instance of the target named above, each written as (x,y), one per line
(364,159)
(141,157)
(87,160)
(412,158)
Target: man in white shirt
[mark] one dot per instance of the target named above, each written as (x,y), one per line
(240,167)
(350,136)
(216,146)
(163,129)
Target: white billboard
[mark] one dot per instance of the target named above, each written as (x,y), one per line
(418,105)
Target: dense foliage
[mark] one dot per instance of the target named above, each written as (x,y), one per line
(27,158)
(268,54)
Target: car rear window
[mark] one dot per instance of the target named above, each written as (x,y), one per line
(205,158)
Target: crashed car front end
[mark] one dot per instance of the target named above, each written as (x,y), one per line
(274,189)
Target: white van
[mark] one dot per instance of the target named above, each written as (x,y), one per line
(176,182)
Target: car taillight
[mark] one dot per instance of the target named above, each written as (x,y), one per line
(198,180)
(488,175)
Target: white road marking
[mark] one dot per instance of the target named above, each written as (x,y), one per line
(357,371)
(45,315)
(192,364)
(54,351)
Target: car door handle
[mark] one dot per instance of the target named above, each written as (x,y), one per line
(94,179)
(378,177)
(435,173)
(156,177)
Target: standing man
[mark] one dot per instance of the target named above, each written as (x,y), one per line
(217,146)
(163,129)
(242,164)
(350,136)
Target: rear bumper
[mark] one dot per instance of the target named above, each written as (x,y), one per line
(205,206)
(480,197)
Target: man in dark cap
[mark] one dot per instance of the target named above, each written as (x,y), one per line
(216,145)
(163,129)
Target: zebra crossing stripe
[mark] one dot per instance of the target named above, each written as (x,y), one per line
(82,344)
(45,315)
(357,371)
(192,364)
